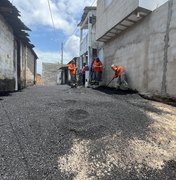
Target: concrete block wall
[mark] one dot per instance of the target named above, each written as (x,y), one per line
(148,53)
(7,64)
(49,73)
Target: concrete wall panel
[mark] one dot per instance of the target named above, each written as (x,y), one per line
(171,66)
(109,16)
(155,62)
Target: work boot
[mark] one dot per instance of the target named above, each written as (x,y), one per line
(117,87)
(124,85)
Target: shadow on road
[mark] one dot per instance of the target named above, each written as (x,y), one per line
(2,94)
(137,101)
(112,91)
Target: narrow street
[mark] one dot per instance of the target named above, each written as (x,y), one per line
(63,133)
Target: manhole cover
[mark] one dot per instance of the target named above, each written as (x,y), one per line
(77,114)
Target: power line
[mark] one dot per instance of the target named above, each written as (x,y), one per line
(51,14)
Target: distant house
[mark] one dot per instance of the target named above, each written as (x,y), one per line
(51,73)
(88,43)
(39,79)
(63,75)
(17,57)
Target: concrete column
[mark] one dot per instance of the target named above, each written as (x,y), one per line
(166,46)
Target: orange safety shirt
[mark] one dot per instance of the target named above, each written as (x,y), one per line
(118,70)
(72,69)
(97,66)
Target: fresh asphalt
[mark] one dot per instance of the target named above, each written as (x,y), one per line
(63,133)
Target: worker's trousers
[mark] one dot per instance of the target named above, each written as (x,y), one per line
(97,76)
(73,78)
(121,80)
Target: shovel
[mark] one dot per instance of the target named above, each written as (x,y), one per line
(110,81)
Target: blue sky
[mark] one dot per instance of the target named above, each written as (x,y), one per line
(47,35)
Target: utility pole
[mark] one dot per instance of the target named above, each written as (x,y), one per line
(62,54)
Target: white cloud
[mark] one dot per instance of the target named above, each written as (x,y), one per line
(71,49)
(64,13)
(72,45)
(50,57)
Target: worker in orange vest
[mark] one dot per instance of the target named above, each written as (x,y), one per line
(120,75)
(97,70)
(72,69)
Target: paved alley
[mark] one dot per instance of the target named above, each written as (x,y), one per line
(63,133)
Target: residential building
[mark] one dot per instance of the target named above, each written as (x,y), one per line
(50,73)
(140,36)
(17,57)
(88,43)
(39,79)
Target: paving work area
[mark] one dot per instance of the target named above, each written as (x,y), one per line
(63,133)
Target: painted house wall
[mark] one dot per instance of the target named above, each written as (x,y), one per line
(148,53)
(7,64)
(30,67)
(88,39)
(27,66)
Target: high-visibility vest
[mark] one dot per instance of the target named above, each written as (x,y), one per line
(118,70)
(72,69)
(97,66)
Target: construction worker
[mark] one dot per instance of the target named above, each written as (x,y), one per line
(97,70)
(84,69)
(72,69)
(91,72)
(120,75)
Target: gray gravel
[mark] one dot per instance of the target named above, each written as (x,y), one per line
(62,133)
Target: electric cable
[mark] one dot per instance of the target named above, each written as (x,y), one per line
(51,14)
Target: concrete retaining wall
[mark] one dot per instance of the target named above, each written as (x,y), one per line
(148,53)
